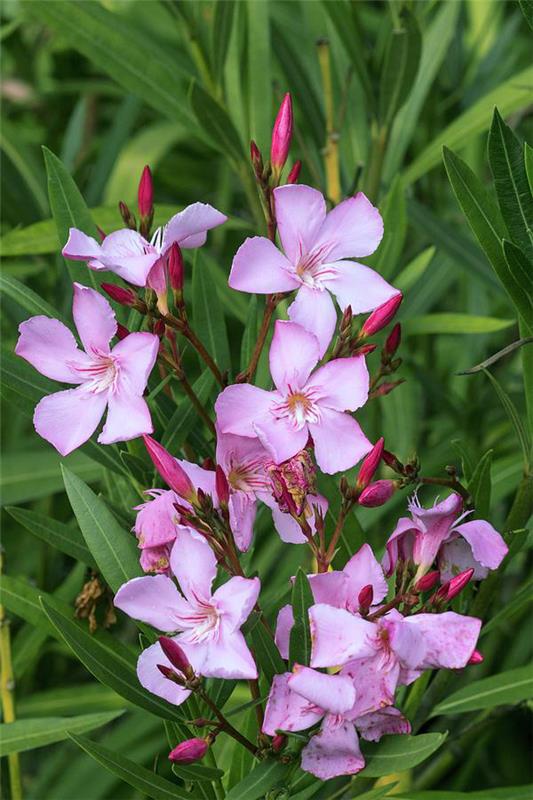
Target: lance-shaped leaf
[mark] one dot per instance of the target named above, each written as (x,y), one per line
(208,316)
(28,734)
(217,125)
(507,688)
(402,57)
(398,753)
(264,777)
(65,538)
(480,485)
(300,637)
(266,652)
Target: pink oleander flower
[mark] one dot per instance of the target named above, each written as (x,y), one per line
(316,246)
(155,528)
(208,624)
(436,532)
(302,404)
(300,699)
(113,379)
(131,256)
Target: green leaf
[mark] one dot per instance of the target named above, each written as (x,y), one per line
(251,331)
(480,485)
(399,70)
(29,475)
(197,772)
(146,782)
(398,753)
(509,96)
(217,125)
(112,665)
(24,600)
(65,538)
(512,186)
(528,161)
(505,351)
(81,698)
(28,299)
(300,636)
(221,34)
(259,72)
(28,734)
(265,776)
(394,215)
(113,549)
(522,275)
(505,793)
(342,18)
(69,211)
(513,415)
(414,270)
(502,619)
(186,417)
(266,652)
(507,688)
(208,317)
(444,323)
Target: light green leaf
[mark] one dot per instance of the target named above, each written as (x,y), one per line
(259,781)
(398,753)
(251,331)
(221,34)
(414,270)
(300,636)
(208,317)
(480,485)
(27,299)
(399,70)
(37,473)
(444,323)
(197,772)
(259,73)
(65,537)
(502,619)
(528,161)
(394,216)
(507,688)
(266,652)
(82,698)
(186,417)
(514,417)
(28,734)
(145,781)
(113,549)
(217,125)
(505,351)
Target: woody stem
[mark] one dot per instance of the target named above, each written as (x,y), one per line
(452,483)
(271,303)
(182,325)
(226,726)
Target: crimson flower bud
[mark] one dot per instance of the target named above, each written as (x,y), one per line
(169,674)
(169,469)
(278,742)
(256,158)
(377,493)
(476,658)
(381,317)
(393,340)
(222,486)
(346,321)
(392,461)
(189,751)
(145,194)
(126,297)
(122,331)
(427,582)
(364,350)
(127,216)
(208,463)
(175,267)
(452,588)
(387,388)
(158,328)
(366,597)
(281,135)
(294,174)
(175,655)
(370,464)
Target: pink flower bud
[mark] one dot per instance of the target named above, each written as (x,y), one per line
(126,297)
(366,597)
(208,463)
(175,654)
(278,742)
(145,194)
(376,494)
(427,582)
(175,267)
(169,674)
(393,340)
(294,174)
(452,588)
(476,658)
(381,317)
(281,135)
(189,751)
(256,158)
(392,461)
(122,331)
(386,388)
(222,486)
(364,350)
(370,464)
(169,469)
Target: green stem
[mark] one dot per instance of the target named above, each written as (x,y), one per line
(7,685)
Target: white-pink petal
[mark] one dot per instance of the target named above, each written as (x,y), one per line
(334,694)
(342,383)
(235,600)
(338,636)
(314,310)
(488,546)
(361,570)
(128,417)
(50,347)
(94,319)
(293,354)
(80,247)
(151,599)
(357,286)
(153,680)
(68,419)
(194,564)
(339,441)
(353,229)
(258,266)
(189,227)
(239,405)
(449,638)
(136,356)
(333,751)
(300,212)
(279,436)
(287,710)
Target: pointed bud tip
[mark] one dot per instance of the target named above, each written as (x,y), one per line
(222,486)
(176,267)
(377,493)
(366,596)
(476,658)
(382,315)
(145,194)
(126,297)
(175,654)
(281,134)
(169,469)
(294,173)
(189,751)
(370,464)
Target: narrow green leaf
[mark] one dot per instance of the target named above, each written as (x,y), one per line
(512,186)
(208,317)
(266,652)
(398,753)
(513,415)
(28,734)
(300,636)
(259,73)
(505,351)
(394,214)
(262,778)
(64,537)
(29,475)
(221,34)
(522,274)
(528,161)
(186,417)
(414,270)
(402,57)
(27,299)
(454,323)
(505,615)
(342,19)
(142,779)
(480,485)
(197,772)
(217,125)
(251,330)
(507,688)
(113,549)
(83,698)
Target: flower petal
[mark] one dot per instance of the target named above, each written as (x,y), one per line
(488,546)
(330,588)
(385,721)
(242,510)
(240,451)
(375,680)
(194,564)
(333,751)
(258,266)
(400,544)
(456,556)
(300,212)
(358,286)
(67,419)
(361,570)
(342,383)
(128,254)
(284,625)
(334,694)
(293,354)
(279,437)
(201,478)
(235,600)
(352,229)
(338,636)
(49,346)
(136,356)
(339,441)
(449,638)
(94,319)
(239,405)
(314,310)
(188,228)
(152,679)
(227,657)
(286,710)
(153,599)
(127,418)
(80,247)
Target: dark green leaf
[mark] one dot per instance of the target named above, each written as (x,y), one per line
(197,772)
(398,753)
(507,688)
(28,734)
(513,415)
(208,317)
(221,31)
(480,485)
(65,537)
(300,636)
(266,652)
(505,351)
(401,65)
(259,781)
(27,299)
(217,125)
(186,417)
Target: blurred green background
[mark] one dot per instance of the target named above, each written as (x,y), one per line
(113,85)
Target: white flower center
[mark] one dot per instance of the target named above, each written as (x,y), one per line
(312,269)
(100,375)
(300,407)
(246,476)
(201,623)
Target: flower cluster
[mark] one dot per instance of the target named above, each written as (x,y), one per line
(368,635)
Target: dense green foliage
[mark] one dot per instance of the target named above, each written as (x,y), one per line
(110,86)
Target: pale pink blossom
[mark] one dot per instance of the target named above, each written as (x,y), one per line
(316,247)
(439,533)
(155,528)
(131,256)
(207,623)
(107,378)
(303,403)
